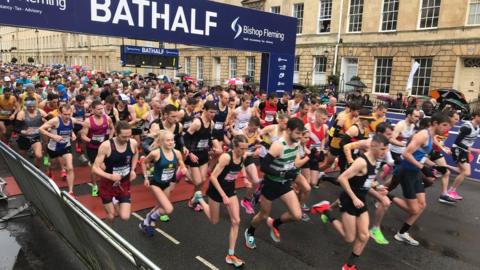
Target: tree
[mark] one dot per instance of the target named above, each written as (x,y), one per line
(30,60)
(14,60)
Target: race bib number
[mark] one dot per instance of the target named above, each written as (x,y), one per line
(315,146)
(5,113)
(269,118)
(368,183)
(218,126)
(202,144)
(289,166)
(231,176)
(33,131)
(98,138)
(122,171)
(167,175)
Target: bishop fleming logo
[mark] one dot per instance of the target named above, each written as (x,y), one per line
(258,33)
(236,28)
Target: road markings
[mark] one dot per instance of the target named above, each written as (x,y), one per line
(166,235)
(207,263)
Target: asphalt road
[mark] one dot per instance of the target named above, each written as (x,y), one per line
(449,237)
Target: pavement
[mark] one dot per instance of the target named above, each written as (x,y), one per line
(448,238)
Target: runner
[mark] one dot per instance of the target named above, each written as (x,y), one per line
(437,156)
(462,153)
(302,182)
(59,130)
(165,160)
(220,121)
(79,113)
(96,129)
(197,140)
(302,112)
(188,113)
(402,133)
(356,181)
(267,110)
(115,164)
(252,133)
(318,138)
(410,174)
(281,168)
(242,114)
(27,124)
(8,111)
(222,190)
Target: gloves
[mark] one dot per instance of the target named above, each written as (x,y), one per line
(427,171)
(291,174)
(441,169)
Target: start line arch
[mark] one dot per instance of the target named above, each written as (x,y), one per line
(199,22)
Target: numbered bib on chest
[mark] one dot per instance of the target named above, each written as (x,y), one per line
(202,144)
(218,126)
(167,174)
(122,171)
(269,118)
(231,176)
(368,183)
(98,138)
(5,112)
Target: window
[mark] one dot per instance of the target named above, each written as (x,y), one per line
(390,15)
(296,69)
(200,68)
(319,69)
(232,67)
(383,74)
(474,13)
(325,16)
(298,13)
(429,12)
(250,62)
(421,79)
(471,62)
(188,65)
(275,9)
(355,16)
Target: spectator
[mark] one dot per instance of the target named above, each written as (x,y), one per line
(366,100)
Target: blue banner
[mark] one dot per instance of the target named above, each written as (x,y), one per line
(148,51)
(277,75)
(204,23)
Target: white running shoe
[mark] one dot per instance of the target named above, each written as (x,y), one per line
(406,238)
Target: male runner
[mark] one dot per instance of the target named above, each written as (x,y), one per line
(463,149)
(115,164)
(97,129)
(356,182)
(410,173)
(281,168)
(59,130)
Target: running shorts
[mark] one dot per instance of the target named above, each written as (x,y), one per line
(347,206)
(273,190)
(202,159)
(61,153)
(25,143)
(121,192)
(411,182)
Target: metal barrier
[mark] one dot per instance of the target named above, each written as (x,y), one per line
(93,241)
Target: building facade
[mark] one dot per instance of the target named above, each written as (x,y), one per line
(376,40)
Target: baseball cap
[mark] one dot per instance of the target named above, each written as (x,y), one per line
(7,79)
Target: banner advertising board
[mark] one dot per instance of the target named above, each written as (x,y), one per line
(204,23)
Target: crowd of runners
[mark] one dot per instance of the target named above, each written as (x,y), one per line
(279,147)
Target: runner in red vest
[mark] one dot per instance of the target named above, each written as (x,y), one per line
(268,110)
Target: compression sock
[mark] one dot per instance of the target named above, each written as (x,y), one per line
(405,228)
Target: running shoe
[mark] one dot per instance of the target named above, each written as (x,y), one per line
(320,207)
(234,260)
(164,218)
(305,208)
(454,195)
(324,218)
(46,162)
(64,175)
(274,232)
(197,196)
(446,199)
(72,194)
(406,238)
(94,191)
(245,203)
(249,240)
(346,267)
(198,208)
(377,235)
(305,217)
(149,230)
(83,159)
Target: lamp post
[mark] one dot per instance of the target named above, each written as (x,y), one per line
(38,47)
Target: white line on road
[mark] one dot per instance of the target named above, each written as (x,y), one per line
(168,236)
(207,263)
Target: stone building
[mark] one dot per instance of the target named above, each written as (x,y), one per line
(377,40)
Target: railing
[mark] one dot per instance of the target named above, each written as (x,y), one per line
(93,241)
